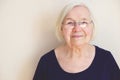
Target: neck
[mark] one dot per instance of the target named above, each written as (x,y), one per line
(77,51)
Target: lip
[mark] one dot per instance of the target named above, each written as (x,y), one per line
(77,36)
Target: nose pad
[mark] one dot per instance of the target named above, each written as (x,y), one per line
(77,27)
(76,24)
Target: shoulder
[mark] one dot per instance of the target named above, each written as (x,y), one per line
(99,49)
(108,62)
(104,54)
(102,51)
(47,56)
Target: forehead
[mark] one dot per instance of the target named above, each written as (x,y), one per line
(78,13)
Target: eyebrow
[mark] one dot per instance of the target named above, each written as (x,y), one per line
(69,19)
(74,20)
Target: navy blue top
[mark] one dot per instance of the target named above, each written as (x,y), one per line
(103,67)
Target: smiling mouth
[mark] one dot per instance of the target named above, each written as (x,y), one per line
(77,36)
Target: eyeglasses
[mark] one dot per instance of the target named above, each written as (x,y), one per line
(72,24)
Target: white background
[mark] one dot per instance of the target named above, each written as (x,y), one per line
(27,31)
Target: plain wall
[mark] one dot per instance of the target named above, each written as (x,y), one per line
(27,31)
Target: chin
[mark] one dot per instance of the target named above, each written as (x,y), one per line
(79,43)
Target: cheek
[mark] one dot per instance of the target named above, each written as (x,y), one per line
(66,34)
(89,32)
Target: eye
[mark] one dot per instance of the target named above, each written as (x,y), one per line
(84,23)
(70,23)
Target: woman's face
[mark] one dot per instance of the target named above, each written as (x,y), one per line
(77,27)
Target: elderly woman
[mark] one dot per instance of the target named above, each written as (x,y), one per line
(76,58)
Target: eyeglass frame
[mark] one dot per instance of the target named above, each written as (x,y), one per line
(74,23)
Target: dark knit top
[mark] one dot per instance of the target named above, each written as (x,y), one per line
(103,67)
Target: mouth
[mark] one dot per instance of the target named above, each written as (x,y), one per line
(77,36)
